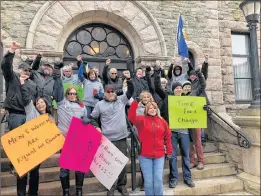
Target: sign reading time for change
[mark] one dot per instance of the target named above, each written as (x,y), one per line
(187,112)
(31,143)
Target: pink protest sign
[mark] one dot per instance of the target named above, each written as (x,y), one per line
(80,146)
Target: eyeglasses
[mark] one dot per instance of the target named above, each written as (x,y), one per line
(114,73)
(71,93)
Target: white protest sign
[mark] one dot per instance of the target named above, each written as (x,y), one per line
(108,163)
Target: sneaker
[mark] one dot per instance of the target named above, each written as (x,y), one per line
(110,192)
(192,165)
(123,191)
(200,166)
(173,183)
(190,183)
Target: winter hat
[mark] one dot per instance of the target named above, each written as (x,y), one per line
(192,72)
(186,83)
(175,85)
(109,87)
(24,66)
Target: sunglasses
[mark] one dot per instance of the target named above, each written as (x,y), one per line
(110,91)
(114,73)
(71,93)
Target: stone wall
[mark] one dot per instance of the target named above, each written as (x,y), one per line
(208,26)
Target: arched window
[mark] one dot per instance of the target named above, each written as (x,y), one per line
(96,43)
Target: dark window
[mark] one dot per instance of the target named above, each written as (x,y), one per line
(241,68)
(96,43)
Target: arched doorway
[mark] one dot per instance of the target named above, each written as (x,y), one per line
(97,42)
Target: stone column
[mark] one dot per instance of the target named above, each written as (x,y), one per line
(249,121)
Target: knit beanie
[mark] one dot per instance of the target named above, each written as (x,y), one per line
(175,85)
(192,72)
(186,83)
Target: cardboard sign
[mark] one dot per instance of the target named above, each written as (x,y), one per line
(108,163)
(187,112)
(79,89)
(31,143)
(80,146)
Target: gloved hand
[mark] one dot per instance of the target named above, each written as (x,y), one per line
(56,73)
(96,96)
(206,107)
(148,68)
(58,65)
(168,157)
(85,120)
(157,69)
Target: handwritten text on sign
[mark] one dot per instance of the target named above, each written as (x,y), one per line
(31,143)
(108,163)
(80,146)
(187,112)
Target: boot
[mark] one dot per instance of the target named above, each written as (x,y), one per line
(65,185)
(79,177)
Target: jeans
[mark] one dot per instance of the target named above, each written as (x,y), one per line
(183,141)
(122,179)
(89,110)
(152,170)
(199,148)
(33,183)
(15,120)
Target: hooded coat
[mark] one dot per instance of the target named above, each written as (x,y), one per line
(182,77)
(93,89)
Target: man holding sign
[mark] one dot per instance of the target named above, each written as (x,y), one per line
(111,111)
(179,136)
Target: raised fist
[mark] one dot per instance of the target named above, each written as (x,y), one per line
(79,58)
(206,58)
(186,60)
(148,68)
(14,47)
(108,61)
(23,77)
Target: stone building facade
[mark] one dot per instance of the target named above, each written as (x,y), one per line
(149,26)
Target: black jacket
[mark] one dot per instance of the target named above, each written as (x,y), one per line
(117,82)
(45,85)
(13,100)
(164,97)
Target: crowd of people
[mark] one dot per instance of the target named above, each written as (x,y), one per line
(139,96)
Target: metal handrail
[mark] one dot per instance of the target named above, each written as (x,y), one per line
(134,144)
(243,140)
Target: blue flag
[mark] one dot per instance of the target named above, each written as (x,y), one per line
(181,43)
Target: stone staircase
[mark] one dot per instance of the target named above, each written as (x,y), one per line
(218,178)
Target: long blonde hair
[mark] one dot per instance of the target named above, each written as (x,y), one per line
(144,93)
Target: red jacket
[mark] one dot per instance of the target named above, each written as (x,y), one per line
(153,133)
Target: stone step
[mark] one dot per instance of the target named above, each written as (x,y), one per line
(53,161)
(236,193)
(211,186)
(209,147)
(52,173)
(92,185)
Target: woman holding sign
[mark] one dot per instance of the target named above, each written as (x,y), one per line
(67,108)
(153,133)
(32,110)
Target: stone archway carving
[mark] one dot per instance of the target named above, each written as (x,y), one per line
(56,20)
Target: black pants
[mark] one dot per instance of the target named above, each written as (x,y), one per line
(122,179)
(33,183)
